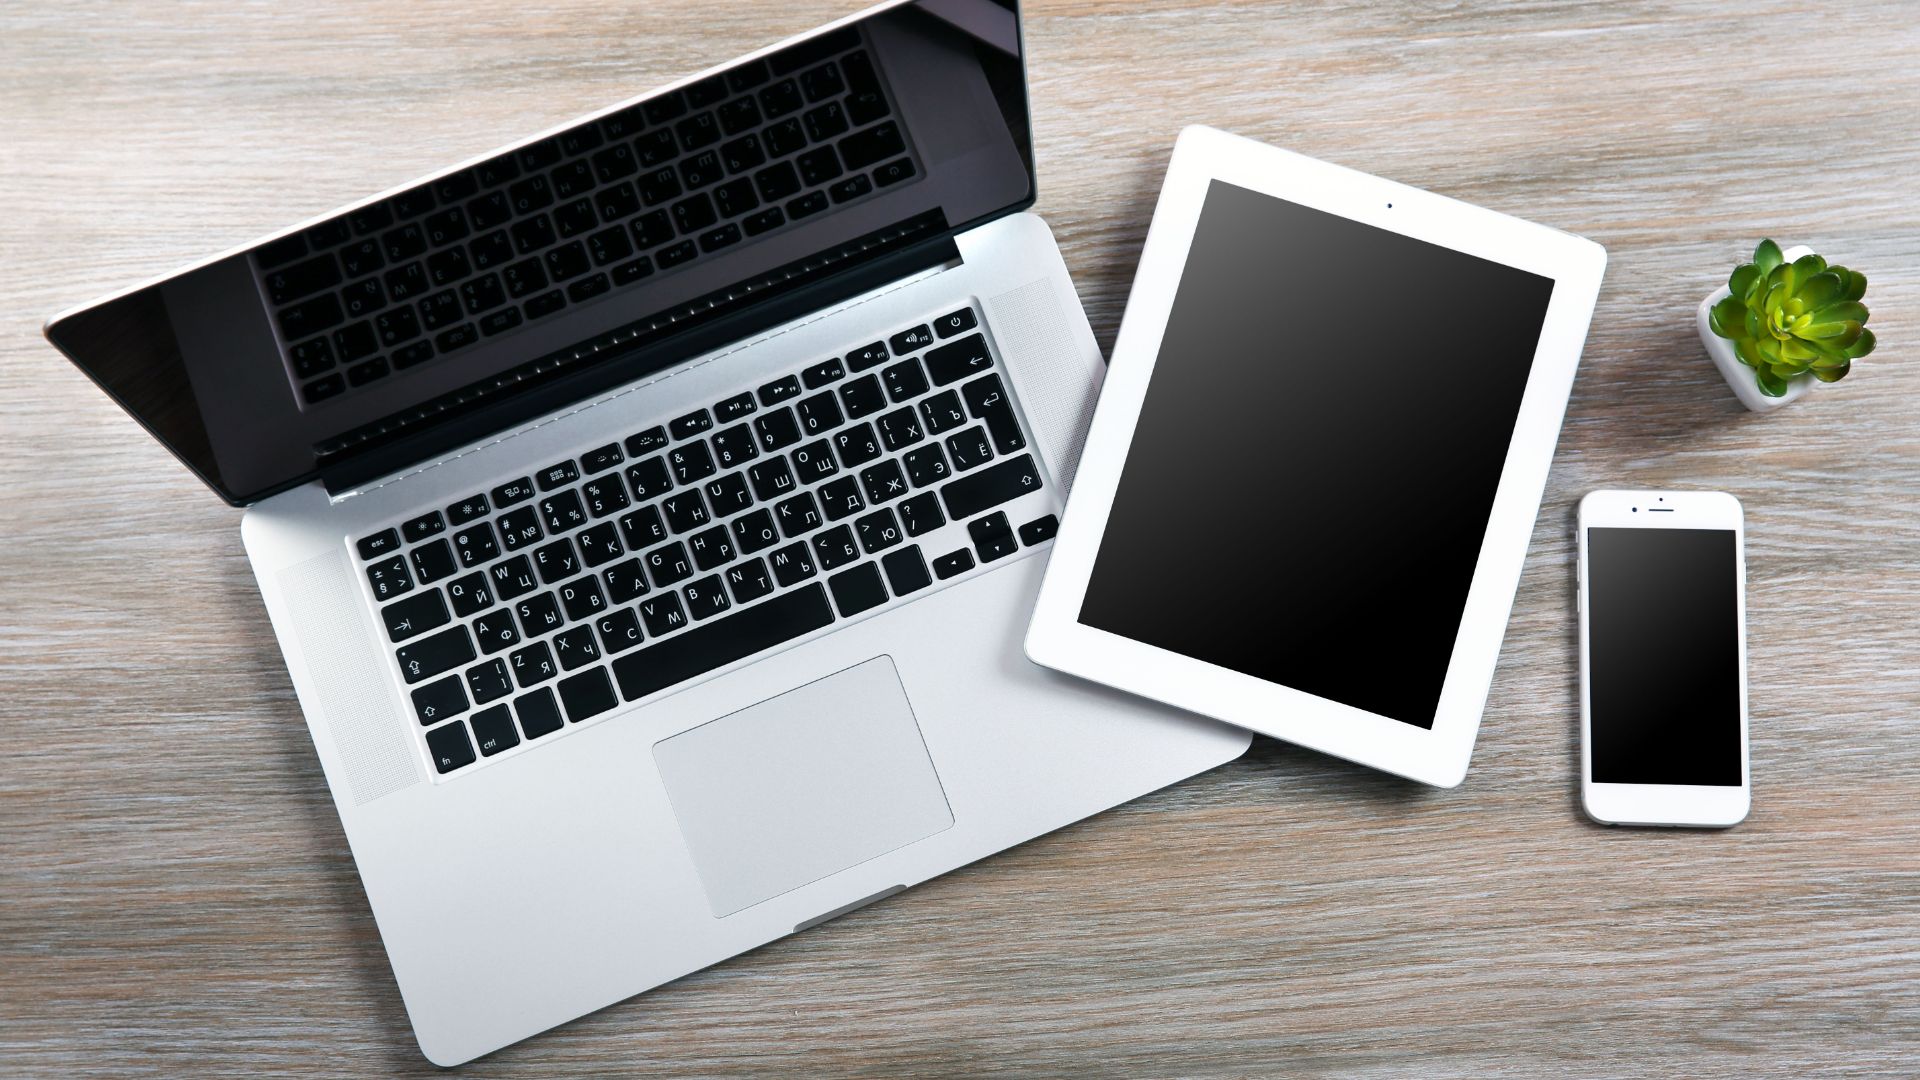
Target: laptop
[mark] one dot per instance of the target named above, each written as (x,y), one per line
(649,513)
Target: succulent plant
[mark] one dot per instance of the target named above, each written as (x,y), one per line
(1789,318)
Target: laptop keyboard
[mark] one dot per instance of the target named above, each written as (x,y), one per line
(442,267)
(638,565)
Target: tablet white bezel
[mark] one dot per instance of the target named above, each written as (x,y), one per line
(1057,639)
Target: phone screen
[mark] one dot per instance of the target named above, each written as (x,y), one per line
(1663,654)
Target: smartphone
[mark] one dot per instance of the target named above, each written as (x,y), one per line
(1661,585)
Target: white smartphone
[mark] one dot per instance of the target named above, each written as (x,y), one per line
(1662,582)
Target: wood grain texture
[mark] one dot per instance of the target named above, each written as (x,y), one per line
(176,897)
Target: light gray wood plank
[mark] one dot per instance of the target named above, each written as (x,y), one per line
(176,896)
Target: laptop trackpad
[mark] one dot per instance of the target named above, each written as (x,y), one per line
(802,786)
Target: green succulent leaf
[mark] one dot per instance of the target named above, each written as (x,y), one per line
(1748,350)
(1832,374)
(1856,284)
(1767,256)
(1770,384)
(1861,345)
(1843,311)
(1820,290)
(1728,318)
(1745,276)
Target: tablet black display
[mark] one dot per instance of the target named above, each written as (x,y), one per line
(1315,461)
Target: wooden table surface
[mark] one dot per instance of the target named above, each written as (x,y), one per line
(176,897)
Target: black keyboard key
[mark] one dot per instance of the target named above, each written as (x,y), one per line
(899,429)
(858,589)
(696,131)
(741,155)
(362,374)
(649,478)
(404,243)
(819,414)
(457,338)
(428,524)
(733,446)
(545,304)
(954,322)
(953,563)
(722,641)
(370,219)
(711,547)
(521,527)
(856,445)
(601,544)
(906,570)
(407,356)
(970,448)
(667,565)
(990,487)
(883,482)
(677,254)
(771,479)
(567,261)
(449,747)
(495,631)
(992,537)
(738,115)
(693,213)
(573,178)
(380,543)
(863,396)
(656,147)
(482,294)
(632,270)
(735,407)
(686,427)
(905,380)
(489,681)
(446,226)
(423,658)
(817,166)
(706,598)
(690,463)
(646,441)
(987,400)
(755,532)
(449,266)
(532,234)
(513,578)
(943,412)
(575,648)
(524,278)
(749,581)
(614,162)
(877,531)
(619,631)
(412,203)
(490,210)
(764,220)
(538,713)
(556,475)
(556,561)
(835,548)
(511,492)
(470,594)
(643,528)
(779,390)
(576,217)
(824,122)
(1039,530)
(807,205)
(414,616)
(601,458)
(431,562)
(303,279)
(958,359)
(396,326)
(822,82)
(309,317)
(777,430)
(921,514)
(389,577)
(780,99)
(589,693)
(821,374)
(310,358)
(533,665)
(778,180)
(927,465)
(877,143)
(355,342)
(618,202)
(474,544)
(841,498)
(728,494)
(605,495)
(491,250)
(792,564)
(493,730)
(323,388)
(538,614)
(849,189)
(745,77)
(893,172)
(797,515)
(589,287)
(814,461)
(724,236)
(626,582)
(662,614)
(467,510)
(910,340)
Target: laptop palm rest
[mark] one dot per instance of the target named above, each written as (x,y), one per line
(802,785)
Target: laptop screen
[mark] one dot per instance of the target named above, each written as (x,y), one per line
(624,244)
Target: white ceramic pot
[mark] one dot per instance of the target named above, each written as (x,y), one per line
(1738,375)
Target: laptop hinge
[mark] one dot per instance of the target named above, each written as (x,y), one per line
(549,383)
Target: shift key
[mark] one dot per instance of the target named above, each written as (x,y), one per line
(990,487)
(426,657)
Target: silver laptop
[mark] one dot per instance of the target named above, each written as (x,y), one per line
(649,513)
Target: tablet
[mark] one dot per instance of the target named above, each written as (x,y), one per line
(1309,484)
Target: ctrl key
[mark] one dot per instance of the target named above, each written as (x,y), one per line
(449,747)
(494,730)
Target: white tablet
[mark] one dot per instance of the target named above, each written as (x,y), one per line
(1308,488)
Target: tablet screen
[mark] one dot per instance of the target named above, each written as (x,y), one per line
(1316,458)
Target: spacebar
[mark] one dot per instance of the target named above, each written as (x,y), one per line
(722,641)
